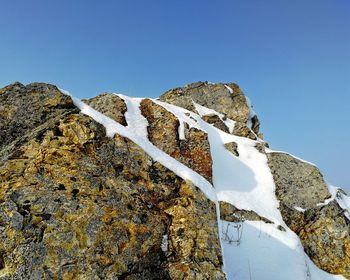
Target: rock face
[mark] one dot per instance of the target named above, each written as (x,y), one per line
(75,204)
(24,108)
(233,148)
(193,151)
(226,99)
(216,121)
(110,105)
(323,229)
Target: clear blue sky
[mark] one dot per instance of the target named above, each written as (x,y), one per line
(292,58)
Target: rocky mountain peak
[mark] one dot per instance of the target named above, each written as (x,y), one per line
(180,187)
(227,99)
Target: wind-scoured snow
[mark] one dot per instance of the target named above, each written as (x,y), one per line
(251,249)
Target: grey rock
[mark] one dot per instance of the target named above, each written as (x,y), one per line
(298,184)
(216,121)
(23,108)
(241,129)
(233,148)
(230,213)
(261,147)
(217,97)
(323,229)
(110,105)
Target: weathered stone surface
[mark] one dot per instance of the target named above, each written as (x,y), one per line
(298,183)
(217,97)
(233,148)
(191,234)
(213,96)
(241,129)
(16,87)
(75,204)
(326,238)
(261,147)
(216,121)
(110,105)
(323,230)
(23,108)
(163,127)
(230,213)
(255,124)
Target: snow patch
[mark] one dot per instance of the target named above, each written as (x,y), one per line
(299,209)
(327,201)
(134,119)
(266,253)
(230,89)
(181,130)
(164,245)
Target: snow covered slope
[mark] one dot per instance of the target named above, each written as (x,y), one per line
(252,249)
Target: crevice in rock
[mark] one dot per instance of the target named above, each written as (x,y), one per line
(2,260)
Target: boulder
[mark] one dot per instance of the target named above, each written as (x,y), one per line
(322,227)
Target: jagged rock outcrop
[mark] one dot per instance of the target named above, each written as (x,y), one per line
(110,105)
(75,204)
(323,228)
(233,148)
(230,213)
(25,108)
(216,121)
(218,97)
(163,132)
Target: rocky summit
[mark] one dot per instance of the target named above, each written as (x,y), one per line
(178,187)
